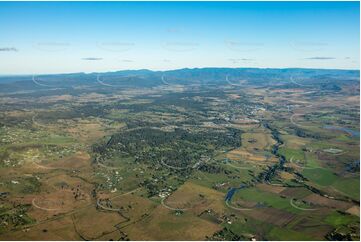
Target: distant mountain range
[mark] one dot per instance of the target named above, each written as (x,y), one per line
(195,76)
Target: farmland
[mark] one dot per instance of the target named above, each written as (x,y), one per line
(192,158)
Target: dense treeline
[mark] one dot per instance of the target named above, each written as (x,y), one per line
(306,134)
(179,148)
(272,170)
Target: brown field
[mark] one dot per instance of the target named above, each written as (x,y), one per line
(261,141)
(58,98)
(112,236)
(17,114)
(80,219)
(317,199)
(60,229)
(92,223)
(59,197)
(239,203)
(238,154)
(133,206)
(286,175)
(270,188)
(76,161)
(87,132)
(312,227)
(355,210)
(45,206)
(242,155)
(294,142)
(270,215)
(196,198)
(164,224)
(296,192)
(353,99)
(246,126)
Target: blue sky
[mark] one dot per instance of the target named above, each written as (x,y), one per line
(59,37)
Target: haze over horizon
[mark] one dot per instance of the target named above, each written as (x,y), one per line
(68,37)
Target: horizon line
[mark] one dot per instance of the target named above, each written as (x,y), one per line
(191,68)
